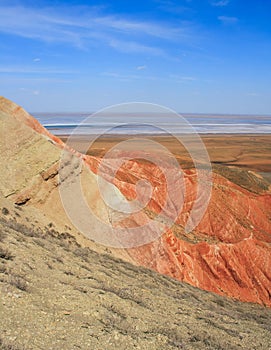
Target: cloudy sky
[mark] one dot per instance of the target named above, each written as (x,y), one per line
(204,56)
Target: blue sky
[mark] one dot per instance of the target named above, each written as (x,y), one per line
(198,56)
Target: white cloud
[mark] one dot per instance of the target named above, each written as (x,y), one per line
(135,47)
(188,78)
(228,20)
(253,94)
(111,74)
(182,78)
(33,80)
(221,3)
(141,67)
(136,27)
(84,26)
(171,6)
(31,70)
(29,91)
(128,77)
(36,59)
(119,76)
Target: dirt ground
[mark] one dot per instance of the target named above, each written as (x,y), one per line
(58,295)
(252,152)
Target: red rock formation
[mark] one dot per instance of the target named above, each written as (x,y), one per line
(229,252)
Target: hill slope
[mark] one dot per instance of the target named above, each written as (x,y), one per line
(58,295)
(228,252)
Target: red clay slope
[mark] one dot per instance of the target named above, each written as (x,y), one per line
(228,253)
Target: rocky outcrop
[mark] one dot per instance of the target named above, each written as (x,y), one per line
(229,252)
(29,177)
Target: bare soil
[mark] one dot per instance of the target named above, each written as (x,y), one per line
(57,295)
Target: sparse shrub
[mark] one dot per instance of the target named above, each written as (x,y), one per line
(52,232)
(18,282)
(26,231)
(194,339)
(59,259)
(3,268)
(64,244)
(6,346)
(49,265)
(39,242)
(81,289)
(82,253)
(69,273)
(220,302)
(5,254)
(2,236)
(5,211)
(177,344)
(66,235)
(20,238)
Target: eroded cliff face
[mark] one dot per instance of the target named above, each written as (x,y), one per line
(229,252)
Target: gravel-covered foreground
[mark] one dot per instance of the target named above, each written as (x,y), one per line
(58,295)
